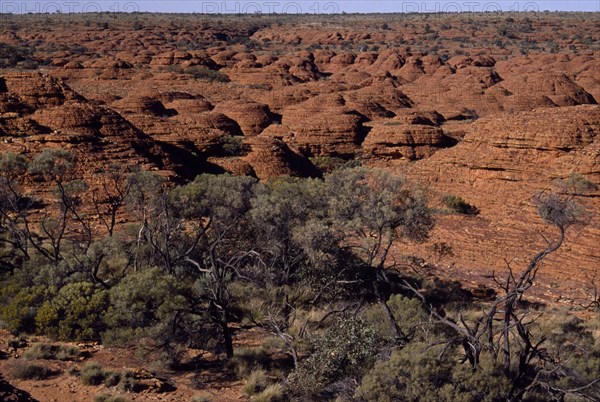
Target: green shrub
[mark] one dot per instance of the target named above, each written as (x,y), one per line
(328,163)
(231,145)
(128,382)
(420,373)
(112,379)
(577,184)
(256,382)
(245,360)
(409,314)
(18,314)
(31,371)
(75,313)
(273,393)
(51,352)
(345,350)
(15,56)
(458,205)
(150,305)
(93,374)
(17,343)
(143,305)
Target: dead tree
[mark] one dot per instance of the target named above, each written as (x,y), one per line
(503,330)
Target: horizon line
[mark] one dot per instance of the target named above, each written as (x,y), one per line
(295,7)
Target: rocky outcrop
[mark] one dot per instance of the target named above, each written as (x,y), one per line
(379,100)
(38,90)
(542,129)
(142,105)
(324,126)
(190,106)
(545,89)
(252,117)
(271,157)
(500,165)
(408,137)
(58,117)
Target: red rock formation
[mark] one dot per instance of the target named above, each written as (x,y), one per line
(141,105)
(324,126)
(271,157)
(37,90)
(96,134)
(498,167)
(252,117)
(411,136)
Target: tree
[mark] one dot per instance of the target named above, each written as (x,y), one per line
(57,166)
(112,195)
(14,207)
(150,305)
(370,211)
(283,213)
(146,199)
(75,313)
(503,332)
(214,211)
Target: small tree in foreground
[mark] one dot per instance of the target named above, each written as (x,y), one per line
(503,333)
(371,211)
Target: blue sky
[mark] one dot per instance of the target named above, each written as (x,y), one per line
(363,6)
(294,6)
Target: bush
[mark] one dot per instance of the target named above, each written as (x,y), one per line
(419,372)
(410,374)
(273,393)
(143,305)
(75,313)
(17,343)
(328,164)
(150,305)
(51,352)
(29,371)
(109,398)
(256,382)
(128,382)
(93,374)
(458,205)
(112,379)
(15,56)
(577,184)
(204,397)
(232,145)
(22,306)
(345,350)
(409,314)
(244,361)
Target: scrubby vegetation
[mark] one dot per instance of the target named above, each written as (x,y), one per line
(93,374)
(458,205)
(109,398)
(16,56)
(311,261)
(31,371)
(204,397)
(51,352)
